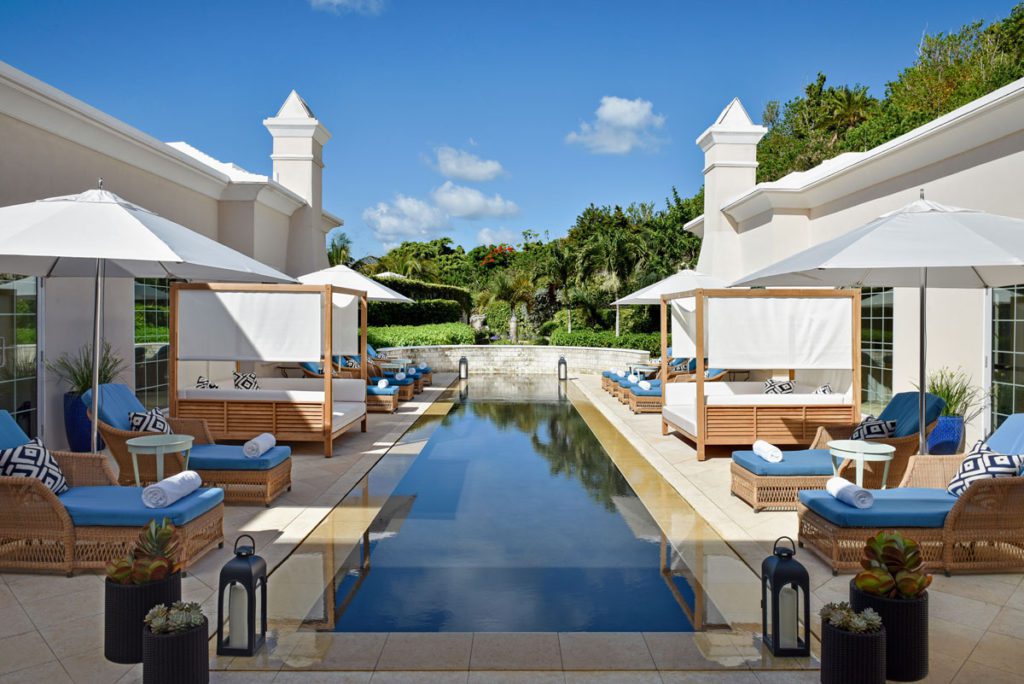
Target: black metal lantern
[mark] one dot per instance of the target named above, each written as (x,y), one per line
(242,578)
(785,585)
(463,368)
(563,369)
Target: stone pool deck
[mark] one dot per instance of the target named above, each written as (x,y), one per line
(976,621)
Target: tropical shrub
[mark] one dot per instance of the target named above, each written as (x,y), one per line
(76,369)
(420,335)
(498,314)
(650,342)
(418,313)
(963,398)
(417,289)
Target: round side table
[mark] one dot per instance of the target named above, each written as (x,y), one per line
(861,451)
(157,445)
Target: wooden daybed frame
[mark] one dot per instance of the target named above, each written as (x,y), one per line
(288,421)
(782,425)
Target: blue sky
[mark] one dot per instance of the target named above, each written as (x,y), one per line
(473,119)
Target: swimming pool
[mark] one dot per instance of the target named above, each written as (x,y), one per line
(507,515)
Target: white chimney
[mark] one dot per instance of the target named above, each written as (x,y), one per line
(730,169)
(299,141)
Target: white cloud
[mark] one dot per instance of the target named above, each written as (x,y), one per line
(496,236)
(405,218)
(470,203)
(620,127)
(370,7)
(466,166)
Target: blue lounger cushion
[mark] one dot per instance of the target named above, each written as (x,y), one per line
(805,462)
(653,392)
(381,391)
(392,381)
(314,368)
(117,401)
(905,408)
(11,434)
(1009,436)
(113,506)
(902,507)
(228,457)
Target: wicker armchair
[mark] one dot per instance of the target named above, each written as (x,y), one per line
(37,533)
(983,532)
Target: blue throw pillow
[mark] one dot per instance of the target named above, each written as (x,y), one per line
(982,463)
(874,428)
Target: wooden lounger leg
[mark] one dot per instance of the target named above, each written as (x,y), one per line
(664,427)
(701,456)
(328,447)
(362,425)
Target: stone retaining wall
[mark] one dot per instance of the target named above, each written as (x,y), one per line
(507,358)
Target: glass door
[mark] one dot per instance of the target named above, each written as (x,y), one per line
(19,391)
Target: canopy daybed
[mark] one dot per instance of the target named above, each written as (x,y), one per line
(217,327)
(809,336)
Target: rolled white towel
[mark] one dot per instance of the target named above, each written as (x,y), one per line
(411,370)
(633,378)
(619,374)
(399,375)
(422,366)
(382,383)
(170,489)
(259,445)
(849,493)
(644,385)
(768,452)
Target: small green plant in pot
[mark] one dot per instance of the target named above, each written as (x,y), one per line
(144,577)
(964,402)
(894,584)
(853,645)
(175,644)
(75,371)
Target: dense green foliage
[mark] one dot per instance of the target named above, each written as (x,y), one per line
(418,313)
(419,290)
(606,338)
(552,286)
(417,335)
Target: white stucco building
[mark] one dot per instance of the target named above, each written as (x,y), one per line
(972,157)
(53,144)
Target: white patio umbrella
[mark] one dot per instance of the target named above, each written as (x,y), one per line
(683,281)
(922,245)
(96,233)
(343,276)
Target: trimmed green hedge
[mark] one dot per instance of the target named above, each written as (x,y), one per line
(417,289)
(418,335)
(606,338)
(417,313)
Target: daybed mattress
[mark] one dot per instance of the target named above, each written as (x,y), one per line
(346,413)
(684,417)
(777,400)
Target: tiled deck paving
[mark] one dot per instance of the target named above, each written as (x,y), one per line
(708,524)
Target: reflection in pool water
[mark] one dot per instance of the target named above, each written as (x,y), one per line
(511,517)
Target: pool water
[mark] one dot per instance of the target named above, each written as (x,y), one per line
(511,517)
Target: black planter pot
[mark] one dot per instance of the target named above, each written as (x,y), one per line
(848,658)
(177,658)
(906,623)
(77,425)
(125,607)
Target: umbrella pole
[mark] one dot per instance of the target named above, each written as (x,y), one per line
(616,320)
(97,321)
(923,369)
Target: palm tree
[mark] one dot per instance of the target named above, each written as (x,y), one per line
(515,289)
(339,252)
(560,270)
(847,108)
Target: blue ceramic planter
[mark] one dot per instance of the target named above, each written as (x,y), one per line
(947,437)
(77,425)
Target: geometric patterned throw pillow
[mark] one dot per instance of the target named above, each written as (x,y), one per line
(149,421)
(203,382)
(983,464)
(874,428)
(778,387)
(351,363)
(246,381)
(33,460)
(824,389)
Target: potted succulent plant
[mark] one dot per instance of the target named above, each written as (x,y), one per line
(146,576)
(852,645)
(893,584)
(175,645)
(75,370)
(964,401)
